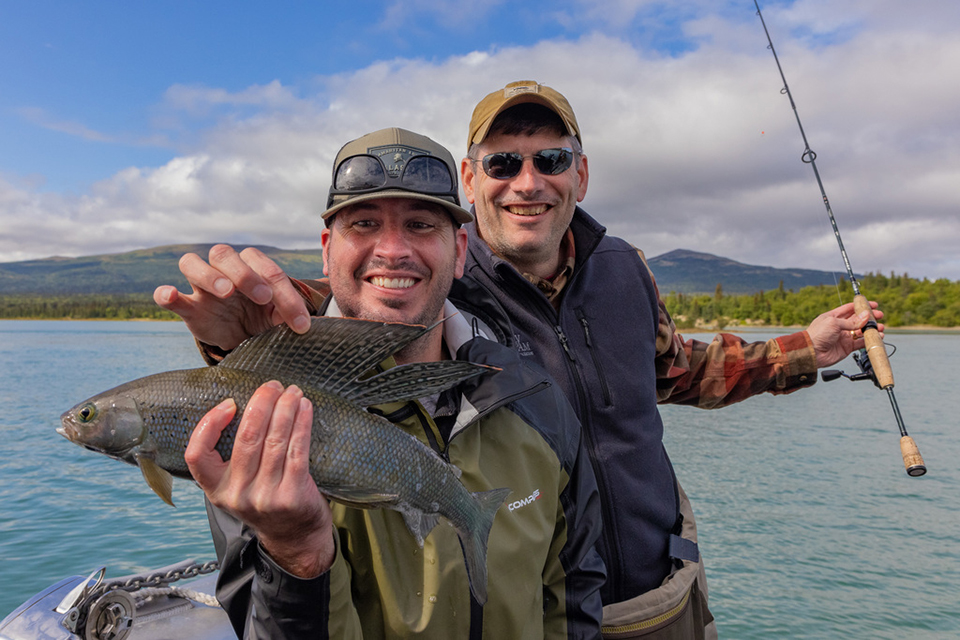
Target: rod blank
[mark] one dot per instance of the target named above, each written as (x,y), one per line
(876,351)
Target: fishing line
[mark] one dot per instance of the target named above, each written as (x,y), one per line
(873,360)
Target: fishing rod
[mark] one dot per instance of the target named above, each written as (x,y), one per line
(872,358)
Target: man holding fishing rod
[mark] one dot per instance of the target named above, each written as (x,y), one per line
(585,306)
(294,565)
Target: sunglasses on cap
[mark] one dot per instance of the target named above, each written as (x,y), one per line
(506,164)
(421,174)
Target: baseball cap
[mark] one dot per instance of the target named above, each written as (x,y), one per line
(395,163)
(517,93)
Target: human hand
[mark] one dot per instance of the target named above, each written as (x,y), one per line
(267,483)
(836,333)
(235,296)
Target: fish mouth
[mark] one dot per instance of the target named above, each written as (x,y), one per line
(68,431)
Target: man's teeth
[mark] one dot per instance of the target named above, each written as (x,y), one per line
(392,283)
(521,210)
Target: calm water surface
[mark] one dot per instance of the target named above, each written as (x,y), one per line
(808,522)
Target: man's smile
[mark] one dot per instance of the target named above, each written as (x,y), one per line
(391,283)
(526,209)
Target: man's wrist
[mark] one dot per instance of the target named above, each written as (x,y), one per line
(306,557)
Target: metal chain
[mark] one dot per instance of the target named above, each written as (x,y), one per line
(156,579)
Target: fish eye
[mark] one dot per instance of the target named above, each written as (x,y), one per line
(87,412)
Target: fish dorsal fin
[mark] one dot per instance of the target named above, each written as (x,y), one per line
(157,478)
(331,355)
(411,381)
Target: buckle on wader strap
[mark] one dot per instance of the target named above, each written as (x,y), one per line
(681,549)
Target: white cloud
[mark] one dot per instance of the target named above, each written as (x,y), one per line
(698,150)
(200,99)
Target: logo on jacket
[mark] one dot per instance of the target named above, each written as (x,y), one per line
(533,497)
(523,346)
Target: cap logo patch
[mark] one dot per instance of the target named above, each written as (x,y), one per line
(394,157)
(509,92)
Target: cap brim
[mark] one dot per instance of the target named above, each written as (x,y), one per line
(459,214)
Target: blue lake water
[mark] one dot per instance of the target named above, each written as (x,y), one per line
(808,522)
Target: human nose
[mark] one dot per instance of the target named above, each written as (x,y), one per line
(392,244)
(529,178)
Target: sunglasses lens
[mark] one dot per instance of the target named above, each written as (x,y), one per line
(427,174)
(553,161)
(502,166)
(359,172)
(506,165)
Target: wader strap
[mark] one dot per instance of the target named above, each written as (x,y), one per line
(680,548)
(683,549)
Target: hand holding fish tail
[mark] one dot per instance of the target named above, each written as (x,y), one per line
(838,332)
(267,483)
(235,296)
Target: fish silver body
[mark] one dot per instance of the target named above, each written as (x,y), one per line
(356,457)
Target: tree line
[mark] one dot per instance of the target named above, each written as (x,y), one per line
(905,301)
(94,306)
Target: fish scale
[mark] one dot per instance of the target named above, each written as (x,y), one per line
(356,457)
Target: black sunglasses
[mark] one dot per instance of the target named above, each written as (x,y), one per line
(505,164)
(366,173)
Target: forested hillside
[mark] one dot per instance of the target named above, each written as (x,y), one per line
(905,301)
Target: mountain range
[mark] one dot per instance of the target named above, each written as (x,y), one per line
(141,271)
(685,271)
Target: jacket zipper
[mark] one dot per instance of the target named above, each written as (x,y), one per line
(552,317)
(564,342)
(593,354)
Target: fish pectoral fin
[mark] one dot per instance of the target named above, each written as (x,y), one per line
(356,497)
(157,478)
(420,524)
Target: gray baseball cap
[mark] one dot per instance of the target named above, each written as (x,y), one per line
(395,163)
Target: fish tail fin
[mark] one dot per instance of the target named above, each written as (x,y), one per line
(474,542)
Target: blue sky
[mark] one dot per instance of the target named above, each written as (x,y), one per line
(85,96)
(126,125)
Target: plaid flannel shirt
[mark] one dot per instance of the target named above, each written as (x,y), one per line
(728,369)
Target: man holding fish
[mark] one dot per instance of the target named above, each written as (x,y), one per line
(585,306)
(294,565)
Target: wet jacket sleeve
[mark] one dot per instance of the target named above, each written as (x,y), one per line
(574,572)
(578,574)
(728,369)
(265,602)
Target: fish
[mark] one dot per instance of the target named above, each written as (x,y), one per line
(357,458)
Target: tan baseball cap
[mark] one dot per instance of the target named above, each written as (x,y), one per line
(517,93)
(395,163)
